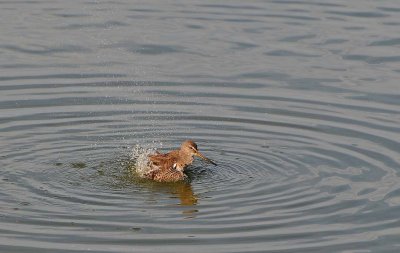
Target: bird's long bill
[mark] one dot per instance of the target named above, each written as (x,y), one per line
(205,158)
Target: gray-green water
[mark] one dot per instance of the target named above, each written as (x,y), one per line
(298,102)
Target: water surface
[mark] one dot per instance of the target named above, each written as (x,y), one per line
(297,101)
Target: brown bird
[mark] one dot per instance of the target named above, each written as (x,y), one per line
(170,167)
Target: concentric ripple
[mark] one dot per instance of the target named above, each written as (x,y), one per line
(297,102)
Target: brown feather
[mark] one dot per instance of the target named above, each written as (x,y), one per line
(169,167)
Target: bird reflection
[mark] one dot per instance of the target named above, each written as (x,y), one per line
(181,190)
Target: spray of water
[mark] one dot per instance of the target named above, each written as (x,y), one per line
(140,156)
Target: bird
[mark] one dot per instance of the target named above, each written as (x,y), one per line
(170,167)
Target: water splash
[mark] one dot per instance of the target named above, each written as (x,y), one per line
(140,156)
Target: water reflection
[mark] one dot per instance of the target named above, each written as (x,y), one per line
(181,191)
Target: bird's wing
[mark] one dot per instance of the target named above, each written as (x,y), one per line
(163,161)
(158,159)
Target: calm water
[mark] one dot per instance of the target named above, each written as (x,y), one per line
(298,102)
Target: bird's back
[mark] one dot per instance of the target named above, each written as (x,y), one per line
(164,161)
(163,167)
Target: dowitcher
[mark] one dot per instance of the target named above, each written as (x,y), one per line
(170,167)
